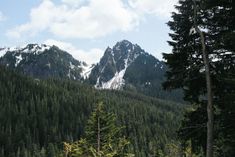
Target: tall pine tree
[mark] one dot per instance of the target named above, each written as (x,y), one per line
(102,138)
(215,19)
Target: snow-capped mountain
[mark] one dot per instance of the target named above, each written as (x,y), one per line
(43,61)
(124,65)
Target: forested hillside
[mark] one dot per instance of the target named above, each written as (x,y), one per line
(36,116)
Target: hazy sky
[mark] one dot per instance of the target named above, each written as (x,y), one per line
(85,28)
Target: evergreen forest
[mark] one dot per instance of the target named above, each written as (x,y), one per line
(182,106)
(37,116)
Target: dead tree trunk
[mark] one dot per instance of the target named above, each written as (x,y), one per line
(210,116)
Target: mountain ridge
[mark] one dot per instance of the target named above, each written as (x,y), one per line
(125,66)
(42,61)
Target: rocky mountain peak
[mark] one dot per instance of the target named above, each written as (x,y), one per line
(110,72)
(123,51)
(126,46)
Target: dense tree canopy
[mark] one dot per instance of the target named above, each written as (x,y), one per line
(186,69)
(36,116)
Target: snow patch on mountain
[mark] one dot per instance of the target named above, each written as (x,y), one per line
(31,48)
(97,83)
(69,74)
(35,48)
(86,70)
(117,82)
(71,66)
(18,60)
(3,51)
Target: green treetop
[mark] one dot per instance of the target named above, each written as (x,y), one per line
(102,138)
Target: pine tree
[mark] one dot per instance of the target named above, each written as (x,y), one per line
(215,20)
(102,138)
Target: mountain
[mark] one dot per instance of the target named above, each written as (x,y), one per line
(127,66)
(37,115)
(43,61)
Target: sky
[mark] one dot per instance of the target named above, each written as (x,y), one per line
(85,28)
